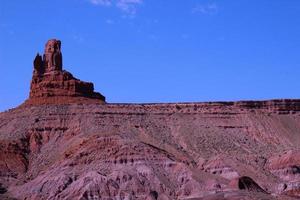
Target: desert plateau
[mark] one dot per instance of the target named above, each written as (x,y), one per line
(66,142)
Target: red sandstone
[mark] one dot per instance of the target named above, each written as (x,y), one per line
(52,85)
(66,143)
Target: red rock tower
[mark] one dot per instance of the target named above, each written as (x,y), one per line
(51,84)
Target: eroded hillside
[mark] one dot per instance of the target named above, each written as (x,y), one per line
(155,151)
(66,142)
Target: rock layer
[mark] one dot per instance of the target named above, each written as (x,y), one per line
(65,142)
(150,151)
(51,84)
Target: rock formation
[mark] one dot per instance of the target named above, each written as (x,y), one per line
(217,150)
(52,85)
(64,144)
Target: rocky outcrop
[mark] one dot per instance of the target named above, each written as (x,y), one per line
(246,183)
(286,166)
(51,84)
(65,142)
(278,105)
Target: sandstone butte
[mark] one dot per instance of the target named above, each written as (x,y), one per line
(66,142)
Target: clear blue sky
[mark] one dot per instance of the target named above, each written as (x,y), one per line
(157,50)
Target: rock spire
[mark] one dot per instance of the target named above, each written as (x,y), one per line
(51,84)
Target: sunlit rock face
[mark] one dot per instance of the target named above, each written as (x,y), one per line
(52,85)
(65,142)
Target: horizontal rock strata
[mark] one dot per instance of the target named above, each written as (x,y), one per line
(65,142)
(144,151)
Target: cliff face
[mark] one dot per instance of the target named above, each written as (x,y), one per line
(67,143)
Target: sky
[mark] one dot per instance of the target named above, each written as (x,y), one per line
(141,51)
